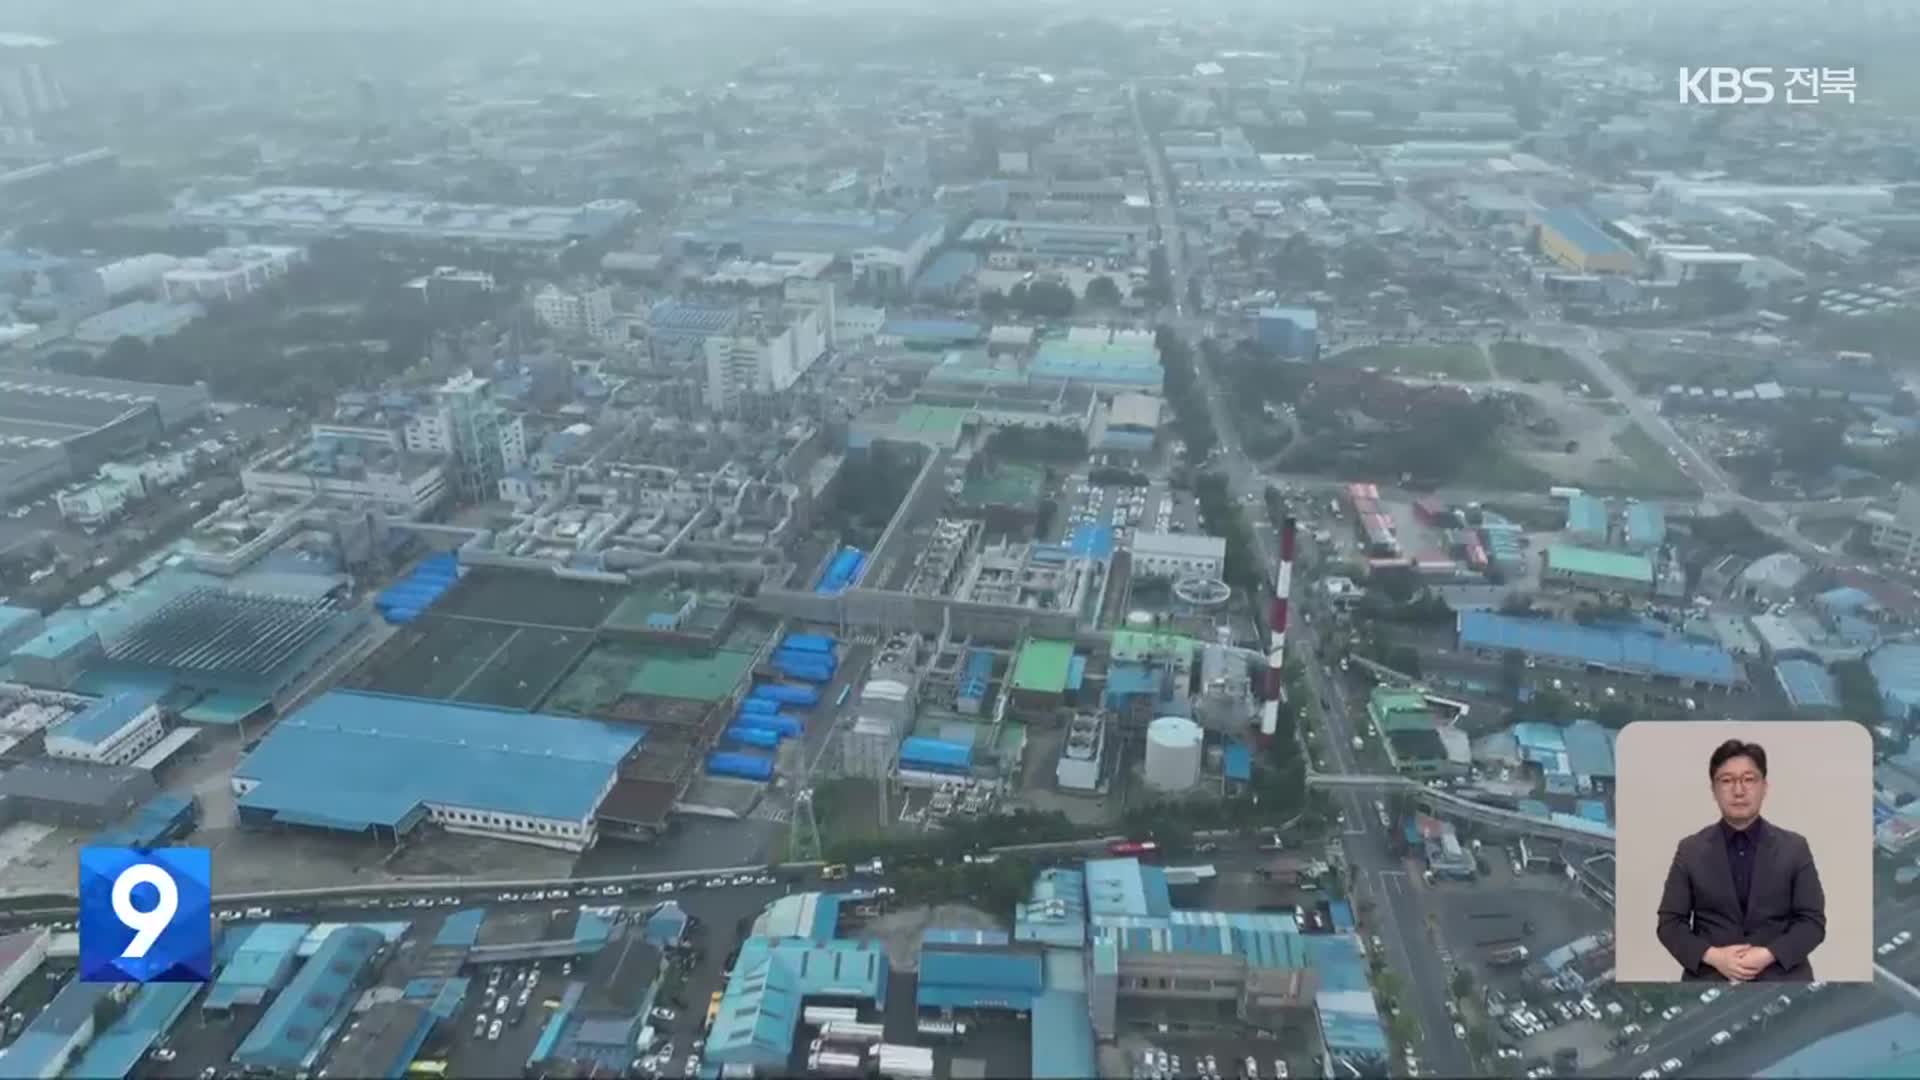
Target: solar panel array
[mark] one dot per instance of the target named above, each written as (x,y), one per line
(209,629)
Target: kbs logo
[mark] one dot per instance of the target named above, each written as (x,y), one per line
(1758,85)
(146,914)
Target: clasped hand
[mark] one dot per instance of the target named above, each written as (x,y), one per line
(1740,963)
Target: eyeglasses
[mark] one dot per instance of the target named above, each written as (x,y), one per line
(1745,780)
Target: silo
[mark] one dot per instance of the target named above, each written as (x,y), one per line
(1173,753)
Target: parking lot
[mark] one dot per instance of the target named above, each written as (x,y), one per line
(1173,1055)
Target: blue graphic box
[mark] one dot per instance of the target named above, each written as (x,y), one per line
(181,950)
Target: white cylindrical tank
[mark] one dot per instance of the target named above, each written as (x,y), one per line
(1174,746)
(1140,620)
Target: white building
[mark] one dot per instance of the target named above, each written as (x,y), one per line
(586,313)
(112,731)
(1815,198)
(139,273)
(467,424)
(146,320)
(1896,535)
(1694,264)
(1177,555)
(767,355)
(225,274)
(351,466)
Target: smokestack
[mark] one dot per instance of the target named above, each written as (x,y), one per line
(1277,631)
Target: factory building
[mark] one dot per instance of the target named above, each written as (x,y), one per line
(974,970)
(1573,240)
(224,275)
(1598,571)
(1177,555)
(112,731)
(1290,332)
(1083,756)
(379,765)
(330,211)
(1633,652)
(55,427)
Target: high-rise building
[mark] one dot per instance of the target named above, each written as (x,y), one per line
(28,88)
(465,422)
(771,348)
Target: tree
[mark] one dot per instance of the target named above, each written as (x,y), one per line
(1102,293)
(1247,244)
(1513,674)
(1462,985)
(1159,287)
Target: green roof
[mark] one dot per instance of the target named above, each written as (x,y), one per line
(1132,645)
(1399,710)
(1042,666)
(1607,564)
(695,678)
(933,423)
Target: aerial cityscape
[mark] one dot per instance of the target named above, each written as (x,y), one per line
(938,543)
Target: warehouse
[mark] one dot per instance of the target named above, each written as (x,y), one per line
(54,427)
(1572,239)
(1600,571)
(375,764)
(1626,651)
(989,974)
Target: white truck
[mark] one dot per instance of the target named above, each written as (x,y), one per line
(822,1015)
(942,1029)
(834,1062)
(898,1062)
(853,1032)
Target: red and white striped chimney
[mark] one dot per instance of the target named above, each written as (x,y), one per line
(1277,632)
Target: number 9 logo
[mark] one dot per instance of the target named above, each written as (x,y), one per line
(147,926)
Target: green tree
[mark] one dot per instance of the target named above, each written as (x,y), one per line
(1102,293)
(1462,984)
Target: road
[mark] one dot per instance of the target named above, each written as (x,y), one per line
(1381,876)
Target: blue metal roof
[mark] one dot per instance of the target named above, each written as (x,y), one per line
(1056,910)
(1896,668)
(1091,541)
(983,969)
(255,961)
(13,617)
(1646,524)
(1580,231)
(460,929)
(1589,749)
(103,718)
(936,753)
(941,935)
(1626,651)
(151,824)
(46,1041)
(1807,684)
(1847,598)
(1063,1042)
(951,268)
(1545,738)
(147,1017)
(360,759)
(1301,318)
(295,1023)
(760,1007)
(1586,514)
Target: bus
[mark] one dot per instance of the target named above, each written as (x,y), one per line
(427,1068)
(713,1007)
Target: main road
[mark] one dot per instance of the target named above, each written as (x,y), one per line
(1381,877)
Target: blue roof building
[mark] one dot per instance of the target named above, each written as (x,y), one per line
(158,822)
(1589,750)
(1119,365)
(1587,519)
(301,1019)
(373,763)
(1896,668)
(1062,1038)
(47,1046)
(761,1005)
(982,977)
(1888,1047)
(1056,910)
(103,719)
(254,961)
(1627,651)
(1807,684)
(933,333)
(1646,526)
(148,1016)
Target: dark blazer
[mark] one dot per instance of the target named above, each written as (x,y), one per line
(1786,909)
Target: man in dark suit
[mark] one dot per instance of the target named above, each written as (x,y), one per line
(1743,900)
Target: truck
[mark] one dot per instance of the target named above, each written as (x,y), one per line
(903,1062)
(834,1062)
(1132,847)
(822,1015)
(871,868)
(937,1028)
(1510,956)
(1565,492)
(852,1032)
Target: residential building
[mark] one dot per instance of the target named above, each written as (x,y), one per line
(582,313)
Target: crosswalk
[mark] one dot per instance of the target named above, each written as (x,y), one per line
(768,811)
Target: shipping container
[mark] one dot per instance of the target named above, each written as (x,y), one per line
(809,643)
(942,1029)
(835,1062)
(787,694)
(782,725)
(935,754)
(744,766)
(759,705)
(764,738)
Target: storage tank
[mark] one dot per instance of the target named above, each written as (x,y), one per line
(1140,620)
(1173,753)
